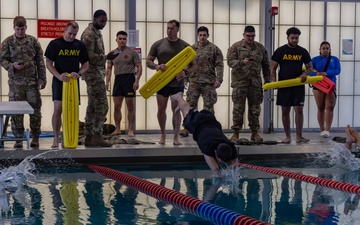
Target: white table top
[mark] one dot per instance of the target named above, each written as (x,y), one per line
(15,107)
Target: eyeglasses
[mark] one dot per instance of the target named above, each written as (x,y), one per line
(249,36)
(121,38)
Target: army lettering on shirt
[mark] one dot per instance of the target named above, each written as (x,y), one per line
(69,52)
(291,61)
(292,57)
(66,55)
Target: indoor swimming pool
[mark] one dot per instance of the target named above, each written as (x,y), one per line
(75,194)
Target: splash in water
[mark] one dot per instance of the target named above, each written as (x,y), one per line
(229,179)
(21,173)
(14,178)
(16,175)
(338,156)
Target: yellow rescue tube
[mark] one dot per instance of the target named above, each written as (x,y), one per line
(292,82)
(70,113)
(70,197)
(173,67)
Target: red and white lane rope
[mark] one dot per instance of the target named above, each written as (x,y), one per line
(337,185)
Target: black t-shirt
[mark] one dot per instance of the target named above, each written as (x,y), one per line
(207,132)
(67,55)
(291,61)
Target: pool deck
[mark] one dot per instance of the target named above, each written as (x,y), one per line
(156,153)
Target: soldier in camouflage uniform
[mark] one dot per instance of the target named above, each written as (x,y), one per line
(94,77)
(246,58)
(22,56)
(208,75)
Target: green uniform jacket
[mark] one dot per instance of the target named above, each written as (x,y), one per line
(95,47)
(27,50)
(245,75)
(209,64)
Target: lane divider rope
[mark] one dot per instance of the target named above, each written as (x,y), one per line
(204,210)
(337,185)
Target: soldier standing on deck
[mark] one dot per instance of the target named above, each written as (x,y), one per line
(246,58)
(208,75)
(23,58)
(94,77)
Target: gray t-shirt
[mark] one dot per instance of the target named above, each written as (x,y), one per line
(164,50)
(125,62)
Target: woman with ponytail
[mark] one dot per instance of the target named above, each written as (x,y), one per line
(325,65)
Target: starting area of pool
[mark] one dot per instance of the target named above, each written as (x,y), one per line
(267,192)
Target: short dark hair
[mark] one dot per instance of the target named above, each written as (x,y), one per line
(177,23)
(99,13)
(203,28)
(121,33)
(224,152)
(249,29)
(293,30)
(19,21)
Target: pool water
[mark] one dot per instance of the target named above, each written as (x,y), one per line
(76,195)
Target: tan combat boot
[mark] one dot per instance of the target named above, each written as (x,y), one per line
(35,141)
(184,133)
(235,135)
(97,140)
(255,136)
(88,139)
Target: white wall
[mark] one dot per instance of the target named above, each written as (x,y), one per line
(226,21)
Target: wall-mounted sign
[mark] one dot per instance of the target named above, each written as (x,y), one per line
(133,38)
(347,46)
(51,28)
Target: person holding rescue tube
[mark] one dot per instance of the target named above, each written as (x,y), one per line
(327,65)
(163,51)
(63,57)
(291,57)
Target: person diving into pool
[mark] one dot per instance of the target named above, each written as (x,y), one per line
(352,136)
(207,132)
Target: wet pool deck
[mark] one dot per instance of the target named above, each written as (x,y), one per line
(156,153)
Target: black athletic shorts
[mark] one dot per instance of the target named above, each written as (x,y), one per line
(124,85)
(57,87)
(167,91)
(292,96)
(194,118)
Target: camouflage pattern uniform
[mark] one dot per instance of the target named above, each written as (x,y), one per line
(94,77)
(209,68)
(24,84)
(246,81)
